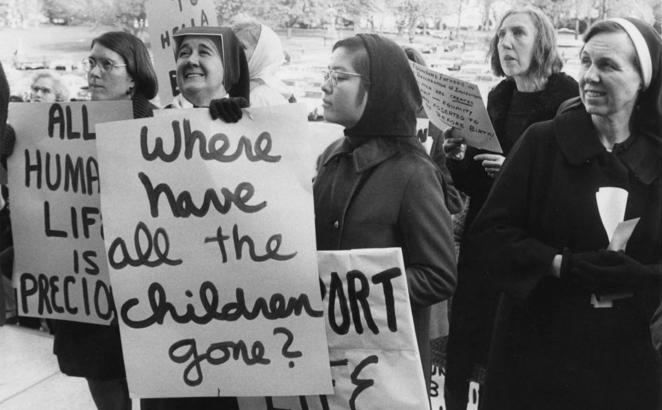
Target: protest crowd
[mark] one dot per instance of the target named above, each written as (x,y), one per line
(531,228)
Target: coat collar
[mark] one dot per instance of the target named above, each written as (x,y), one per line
(559,88)
(369,154)
(579,143)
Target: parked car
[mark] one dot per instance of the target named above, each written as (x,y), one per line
(30,64)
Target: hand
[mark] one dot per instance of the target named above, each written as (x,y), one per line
(573,269)
(619,269)
(491,163)
(454,146)
(227,109)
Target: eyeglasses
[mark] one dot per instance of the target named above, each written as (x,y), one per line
(104,65)
(36,89)
(336,76)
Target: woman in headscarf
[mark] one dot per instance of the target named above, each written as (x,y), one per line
(376,187)
(573,324)
(212,71)
(523,50)
(264,52)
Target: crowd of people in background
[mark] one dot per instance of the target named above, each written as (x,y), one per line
(514,240)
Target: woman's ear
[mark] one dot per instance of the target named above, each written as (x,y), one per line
(132,87)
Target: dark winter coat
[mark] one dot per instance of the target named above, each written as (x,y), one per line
(552,349)
(377,188)
(475,301)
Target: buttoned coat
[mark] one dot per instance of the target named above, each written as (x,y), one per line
(552,349)
(380,195)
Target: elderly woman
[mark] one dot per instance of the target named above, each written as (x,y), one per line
(573,327)
(377,188)
(264,52)
(46,87)
(212,71)
(523,49)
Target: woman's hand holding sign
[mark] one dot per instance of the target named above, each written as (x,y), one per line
(490,162)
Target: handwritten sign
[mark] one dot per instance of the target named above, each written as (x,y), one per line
(437,381)
(60,267)
(450,102)
(211,244)
(372,345)
(165,18)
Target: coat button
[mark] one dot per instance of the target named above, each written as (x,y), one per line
(336,224)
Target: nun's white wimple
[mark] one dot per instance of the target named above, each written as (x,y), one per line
(640,46)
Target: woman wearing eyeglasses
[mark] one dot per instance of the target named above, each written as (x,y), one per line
(376,187)
(46,87)
(118,68)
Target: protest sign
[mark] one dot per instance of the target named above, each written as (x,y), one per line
(165,18)
(437,380)
(450,102)
(210,235)
(372,345)
(60,268)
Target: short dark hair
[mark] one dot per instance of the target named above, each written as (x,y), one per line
(606,26)
(360,60)
(545,60)
(137,60)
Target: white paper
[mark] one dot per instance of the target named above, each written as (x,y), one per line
(611,205)
(622,234)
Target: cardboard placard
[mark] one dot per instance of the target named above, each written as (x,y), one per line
(60,268)
(450,102)
(372,343)
(211,244)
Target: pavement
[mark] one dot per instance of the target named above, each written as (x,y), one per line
(30,378)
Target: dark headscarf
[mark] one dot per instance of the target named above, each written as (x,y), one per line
(236,79)
(394,97)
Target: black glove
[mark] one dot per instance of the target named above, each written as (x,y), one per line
(619,269)
(227,109)
(572,274)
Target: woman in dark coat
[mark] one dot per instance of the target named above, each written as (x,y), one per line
(524,50)
(118,68)
(376,187)
(544,240)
